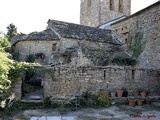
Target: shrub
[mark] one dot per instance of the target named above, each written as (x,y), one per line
(103,99)
(123,59)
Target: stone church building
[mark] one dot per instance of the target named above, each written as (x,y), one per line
(110,49)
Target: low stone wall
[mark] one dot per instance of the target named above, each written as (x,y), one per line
(64,82)
(17,89)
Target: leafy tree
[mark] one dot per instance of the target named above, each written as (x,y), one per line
(5,65)
(11,31)
(4,43)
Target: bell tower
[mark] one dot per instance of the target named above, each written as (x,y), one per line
(97,12)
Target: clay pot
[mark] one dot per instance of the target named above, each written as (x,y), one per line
(140,102)
(113,94)
(119,93)
(143,94)
(136,94)
(148,101)
(132,103)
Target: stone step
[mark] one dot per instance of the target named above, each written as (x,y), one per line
(35,97)
(31,101)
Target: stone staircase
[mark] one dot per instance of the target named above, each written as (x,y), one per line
(34,97)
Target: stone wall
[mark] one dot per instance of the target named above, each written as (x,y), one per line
(32,47)
(63,83)
(147,22)
(17,89)
(67,50)
(98,12)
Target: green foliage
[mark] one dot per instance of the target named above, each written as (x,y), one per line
(5,66)
(11,31)
(100,100)
(99,56)
(103,99)
(123,59)
(17,70)
(30,58)
(4,44)
(9,69)
(88,99)
(47,102)
(62,109)
(138,45)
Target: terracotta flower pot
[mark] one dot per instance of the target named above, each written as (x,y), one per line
(148,101)
(119,93)
(132,103)
(140,102)
(136,94)
(143,94)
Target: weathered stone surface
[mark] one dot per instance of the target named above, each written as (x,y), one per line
(66,51)
(47,34)
(111,78)
(98,12)
(80,32)
(27,48)
(16,89)
(146,22)
(62,46)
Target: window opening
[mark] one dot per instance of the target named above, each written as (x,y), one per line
(111,4)
(133,74)
(89,3)
(54,47)
(121,6)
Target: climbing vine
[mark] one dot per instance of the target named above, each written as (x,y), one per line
(138,45)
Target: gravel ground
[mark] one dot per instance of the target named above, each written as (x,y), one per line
(115,112)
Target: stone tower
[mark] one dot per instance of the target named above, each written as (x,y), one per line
(98,12)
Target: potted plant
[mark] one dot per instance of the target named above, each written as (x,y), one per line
(143,93)
(125,92)
(119,93)
(112,94)
(148,101)
(132,101)
(140,101)
(136,94)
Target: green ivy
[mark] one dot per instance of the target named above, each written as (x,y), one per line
(138,45)
(123,59)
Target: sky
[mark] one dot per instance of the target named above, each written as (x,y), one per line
(32,15)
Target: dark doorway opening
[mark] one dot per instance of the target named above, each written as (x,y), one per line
(32,85)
